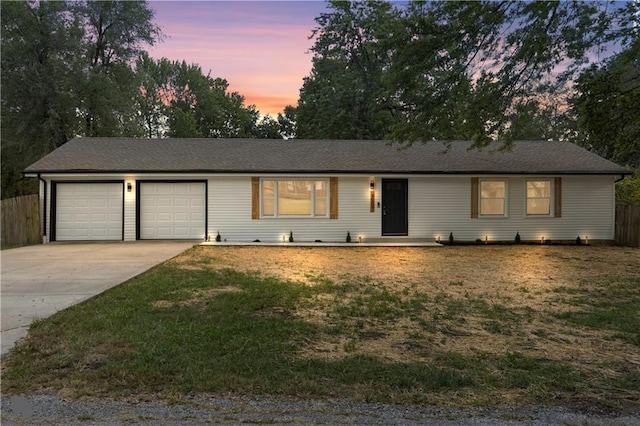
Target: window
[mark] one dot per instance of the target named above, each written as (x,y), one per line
(493,197)
(295,198)
(539,197)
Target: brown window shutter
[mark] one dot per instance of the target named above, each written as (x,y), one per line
(557,197)
(474,198)
(255,198)
(333,198)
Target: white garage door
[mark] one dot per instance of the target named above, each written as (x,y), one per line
(172,210)
(88,211)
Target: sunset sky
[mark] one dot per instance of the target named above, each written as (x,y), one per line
(259,47)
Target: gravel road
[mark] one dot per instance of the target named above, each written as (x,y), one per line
(51,410)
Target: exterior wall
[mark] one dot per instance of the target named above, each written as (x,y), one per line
(438,205)
(230,214)
(129,208)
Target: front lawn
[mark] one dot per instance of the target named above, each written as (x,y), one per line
(462,326)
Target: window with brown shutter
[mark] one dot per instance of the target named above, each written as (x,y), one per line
(275,197)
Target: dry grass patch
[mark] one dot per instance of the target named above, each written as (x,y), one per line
(510,283)
(194,297)
(455,325)
(467,300)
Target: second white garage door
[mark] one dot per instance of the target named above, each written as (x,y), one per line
(172,210)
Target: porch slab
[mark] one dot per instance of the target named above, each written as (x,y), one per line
(324,244)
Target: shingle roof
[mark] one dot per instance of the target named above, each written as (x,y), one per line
(103,155)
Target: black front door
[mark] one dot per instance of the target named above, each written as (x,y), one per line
(395,218)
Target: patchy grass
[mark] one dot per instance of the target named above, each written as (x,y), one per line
(205,323)
(611,306)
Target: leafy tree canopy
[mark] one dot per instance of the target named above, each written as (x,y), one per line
(478,70)
(343,97)
(80,68)
(176,99)
(41,66)
(607,107)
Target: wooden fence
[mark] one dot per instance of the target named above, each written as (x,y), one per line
(628,226)
(20,221)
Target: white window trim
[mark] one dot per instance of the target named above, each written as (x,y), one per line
(313,199)
(506,198)
(551,198)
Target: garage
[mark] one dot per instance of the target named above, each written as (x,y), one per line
(172,210)
(88,211)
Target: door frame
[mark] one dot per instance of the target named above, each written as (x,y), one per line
(405,185)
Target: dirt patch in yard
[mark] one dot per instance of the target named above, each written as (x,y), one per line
(475,300)
(197,296)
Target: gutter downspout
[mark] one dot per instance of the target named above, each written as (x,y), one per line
(621,178)
(44,207)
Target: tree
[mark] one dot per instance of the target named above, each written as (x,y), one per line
(201,106)
(115,34)
(153,94)
(343,98)
(466,68)
(628,190)
(79,68)
(40,67)
(479,70)
(607,107)
(287,122)
(543,118)
(66,71)
(267,128)
(607,111)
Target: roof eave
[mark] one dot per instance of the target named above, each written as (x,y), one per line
(35,173)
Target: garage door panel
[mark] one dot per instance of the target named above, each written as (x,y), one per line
(172,210)
(100,204)
(89,211)
(80,203)
(182,217)
(80,219)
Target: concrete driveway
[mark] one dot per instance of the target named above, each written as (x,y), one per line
(38,281)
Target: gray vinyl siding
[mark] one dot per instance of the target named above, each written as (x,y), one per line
(230,214)
(130,209)
(438,205)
